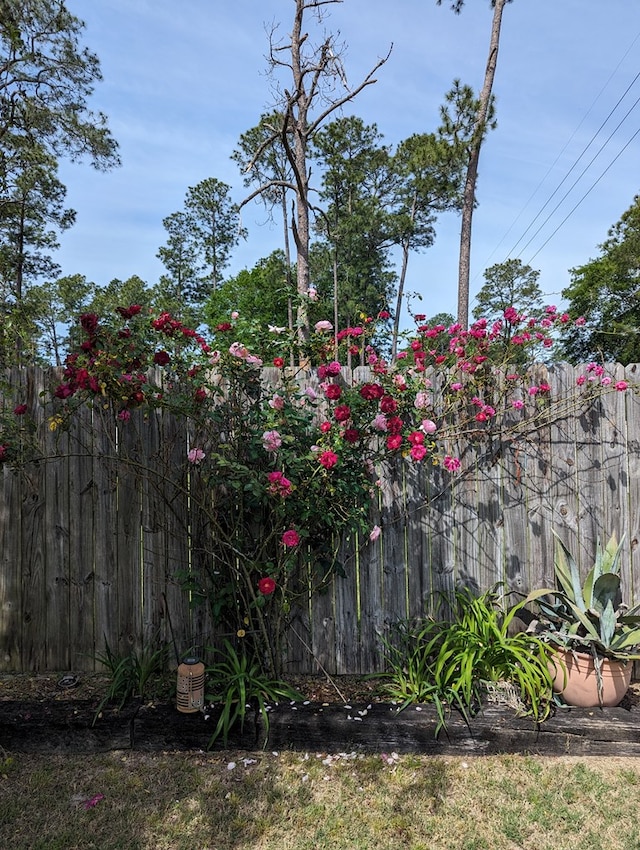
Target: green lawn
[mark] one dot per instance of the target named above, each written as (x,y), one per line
(290,801)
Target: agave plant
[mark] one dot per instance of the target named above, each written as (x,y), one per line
(590,616)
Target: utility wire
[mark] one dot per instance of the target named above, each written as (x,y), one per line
(575,164)
(593,185)
(584,171)
(555,162)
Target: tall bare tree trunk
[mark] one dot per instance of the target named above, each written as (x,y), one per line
(469,196)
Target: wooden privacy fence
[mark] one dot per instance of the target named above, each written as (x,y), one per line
(92,551)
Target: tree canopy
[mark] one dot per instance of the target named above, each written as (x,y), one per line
(606,292)
(46,80)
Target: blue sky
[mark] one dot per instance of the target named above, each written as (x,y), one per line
(181,86)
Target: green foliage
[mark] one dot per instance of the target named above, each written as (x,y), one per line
(278,464)
(357,187)
(201,238)
(254,300)
(508,284)
(237,683)
(604,292)
(130,674)
(32,213)
(447,662)
(180,257)
(46,80)
(589,616)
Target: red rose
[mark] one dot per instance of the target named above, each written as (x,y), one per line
(394,442)
(342,412)
(20,409)
(278,361)
(388,404)
(352,435)
(63,391)
(89,322)
(161,358)
(266,585)
(333,391)
(328,459)
(371,392)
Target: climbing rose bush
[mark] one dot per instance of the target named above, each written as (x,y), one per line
(283,463)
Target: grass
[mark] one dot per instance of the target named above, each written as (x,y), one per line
(290,801)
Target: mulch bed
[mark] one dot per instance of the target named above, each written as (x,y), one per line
(342,715)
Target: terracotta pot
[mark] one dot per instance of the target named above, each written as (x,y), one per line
(575,679)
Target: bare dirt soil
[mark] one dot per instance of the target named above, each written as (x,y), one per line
(69,687)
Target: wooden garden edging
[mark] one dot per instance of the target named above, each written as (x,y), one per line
(378,728)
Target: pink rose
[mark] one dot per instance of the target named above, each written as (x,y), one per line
(451,463)
(196,456)
(418,451)
(380,422)
(290,538)
(271,440)
(323,325)
(277,402)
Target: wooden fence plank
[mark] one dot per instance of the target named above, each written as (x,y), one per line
(177,561)
(631,588)
(565,486)
(614,493)
(33,533)
(153,476)
(371,594)
(82,497)
(10,547)
(322,630)
(128,539)
(107,599)
(393,522)
(55,450)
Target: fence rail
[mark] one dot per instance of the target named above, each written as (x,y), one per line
(93,552)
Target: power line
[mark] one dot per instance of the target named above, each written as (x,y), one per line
(583,172)
(566,145)
(593,185)
(575,164)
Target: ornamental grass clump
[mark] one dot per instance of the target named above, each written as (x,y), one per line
(448,662)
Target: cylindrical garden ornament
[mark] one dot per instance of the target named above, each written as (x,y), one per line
(190,686)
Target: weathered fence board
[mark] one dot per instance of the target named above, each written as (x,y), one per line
(93,551)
